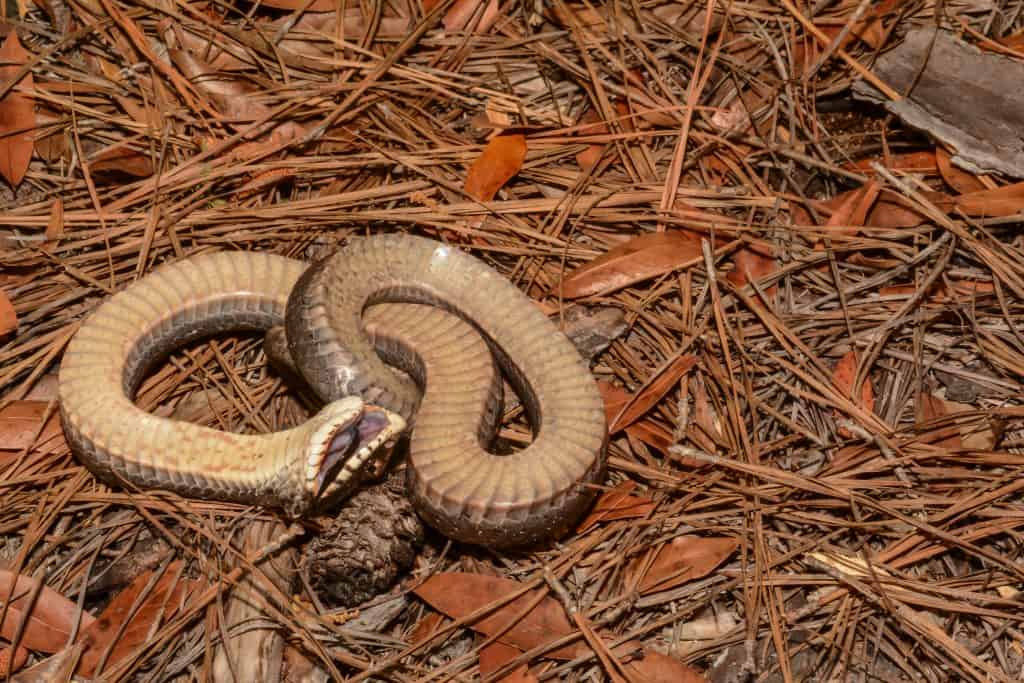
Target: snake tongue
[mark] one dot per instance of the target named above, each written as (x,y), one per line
(346,441)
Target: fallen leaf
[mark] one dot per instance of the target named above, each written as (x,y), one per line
(1014,41)
(589,157)
(496,655)
(617,504)
(1007,200)
(460,14)
(930,408)
(9,665)
(17,113)
(646,430)
(684,559)
(51,616)
(655,667)
(54,226)
(58,668)
(651,394)
(501,159)
(315,6)
(120,158)
(20,421)
(908,162)
(641,258)
(749,265)
(853,211)
(958,179)
(110,630)
(8,318)
(843,376)
(458,594)
(980,435)
(427,627)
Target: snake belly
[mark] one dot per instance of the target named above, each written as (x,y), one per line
(464,491)
(297,469)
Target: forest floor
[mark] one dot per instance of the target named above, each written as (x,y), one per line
(803,308)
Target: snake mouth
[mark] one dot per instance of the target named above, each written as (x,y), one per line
(348,446)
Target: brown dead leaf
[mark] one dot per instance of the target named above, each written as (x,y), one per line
(685,559)
(120,158)
(638,259)
(9,665)
(843,377)
(496,655)
(931,407)
(8,317)
(17,113)
(500,161)
(463,12)
(853,212)
(122,631)
(58,668)
(1014,41)
(646,430)
(457,594)
(54,226)
(890,210)
(19,424)
(960,180)
(655,667)
(979,435)
(617,504)
(427,627)
(589,157)
(51,616)
(316,6)
(908,162)
(652,393)
(749,265)
(1007,200)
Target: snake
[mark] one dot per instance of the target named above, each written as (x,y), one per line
(401,337)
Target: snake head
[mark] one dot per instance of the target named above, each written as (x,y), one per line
(347,436)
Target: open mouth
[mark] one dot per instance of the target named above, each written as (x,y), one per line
(353,444)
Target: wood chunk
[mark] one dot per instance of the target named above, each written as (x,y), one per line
(961,98)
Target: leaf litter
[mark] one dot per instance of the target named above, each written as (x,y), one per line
(815,410)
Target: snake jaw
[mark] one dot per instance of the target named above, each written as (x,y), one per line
(348,438)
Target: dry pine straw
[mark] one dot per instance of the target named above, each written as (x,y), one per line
(878,541)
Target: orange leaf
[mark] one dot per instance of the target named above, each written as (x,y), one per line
(501,159)
(641,258)
(316,6)
(167,597)
(8,318)
(19,424)
(685,559)
(908,162)
(51,616)
(122,159)
(496,655)
(648,431)
(960,180)
(1007,200)
(653,392)
(462,12)
(750,265)
(655,667)
(9,665)
(853,211)
(617,504)
(457,594)
(17,113)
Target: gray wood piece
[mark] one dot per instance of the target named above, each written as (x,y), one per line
(969,99)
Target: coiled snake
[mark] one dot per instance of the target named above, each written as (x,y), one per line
(389,294)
